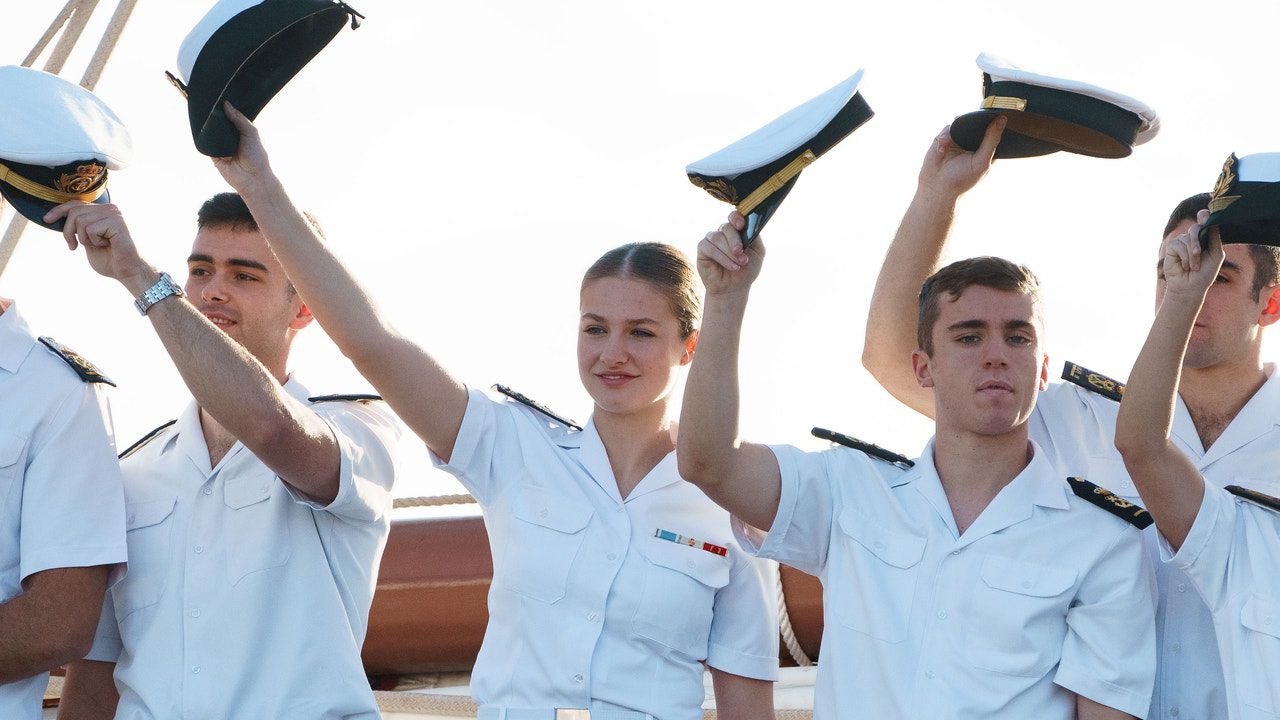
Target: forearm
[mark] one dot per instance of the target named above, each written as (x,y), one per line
(742,698)
(52,622)
(89,691)
(914,255)
(1170,485)
(1087,709)
(709,414)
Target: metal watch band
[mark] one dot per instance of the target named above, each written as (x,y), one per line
(163,288)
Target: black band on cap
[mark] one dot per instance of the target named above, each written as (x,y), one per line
(1107,118)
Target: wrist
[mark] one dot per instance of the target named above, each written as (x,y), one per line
(137,278)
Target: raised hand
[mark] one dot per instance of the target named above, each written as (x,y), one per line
(1186,268)
(250,165)
(952,170)
(725,267)
(109,247)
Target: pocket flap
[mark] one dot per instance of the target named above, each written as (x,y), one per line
(551,510)
(145,513)
(246,491)
(1261,614)
(10,449)
(900,550)
(706,567)
(1024,578)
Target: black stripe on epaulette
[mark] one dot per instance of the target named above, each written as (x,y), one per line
(1255,497)
(874,451)
(145,439)
(520,398)
(1130,512)
(1092,381)
(357,397)
(87,371)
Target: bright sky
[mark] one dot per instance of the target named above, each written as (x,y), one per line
(471,159)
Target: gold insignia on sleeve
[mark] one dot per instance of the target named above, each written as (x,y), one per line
(1130,512)
(80,181)
(1221,200)
(1092,381)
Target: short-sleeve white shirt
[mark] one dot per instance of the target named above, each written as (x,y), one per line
(243,599)
(1077,428)
(61,500)
(588,608)
(1045,595)
(1232,554)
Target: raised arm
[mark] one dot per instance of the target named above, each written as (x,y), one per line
(1169,483)
(948,171)
(429,400)
(741,477)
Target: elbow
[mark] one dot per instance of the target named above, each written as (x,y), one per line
(1136,449)
(695,468)
(69,643)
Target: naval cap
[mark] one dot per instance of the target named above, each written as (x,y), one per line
(57,143)
(1245,206)
(756,172)
(1047,114)
(246,51)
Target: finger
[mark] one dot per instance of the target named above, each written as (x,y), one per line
(734,239)
(737,220)
(711,251)
(1202,217)
(99,233)
(242,123)
(991,139)
(723,241)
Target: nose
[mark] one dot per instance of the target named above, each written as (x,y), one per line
(213,290)
(614,351)
(996,355)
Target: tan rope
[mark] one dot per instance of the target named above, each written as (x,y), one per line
(49,34)
(784,624)
(110,38)
(426,704)
(433,501)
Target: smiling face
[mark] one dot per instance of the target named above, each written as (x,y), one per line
(629,345)
(236,282)
(1229,327)
(985,366)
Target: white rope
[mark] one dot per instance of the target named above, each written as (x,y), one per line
(433,501)
(784,624)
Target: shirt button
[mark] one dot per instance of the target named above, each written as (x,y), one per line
(611,557)
(929,674)
(1175,712)
(1182,587)
(1026,584)
(578,678)
(1177,647)
(942,614)
(593,616)
(618,509)
(208,491)
(542,513)
(878,545)
(199,549)
(195,669)
(690,565)
(955,552)
(195,613)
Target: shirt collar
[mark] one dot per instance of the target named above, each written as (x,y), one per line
(16,339)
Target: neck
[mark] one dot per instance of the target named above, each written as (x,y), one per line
(1214,395)
(974,468)
(635,442)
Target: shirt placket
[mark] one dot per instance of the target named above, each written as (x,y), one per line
(201,576)
(605,562)
(933,608)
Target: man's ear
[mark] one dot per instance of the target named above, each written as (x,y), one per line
(303,317)
(920,364)
(690,347)
(1271,311)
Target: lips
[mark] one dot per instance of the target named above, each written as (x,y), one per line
(221,320)
(995,386)
(614,380)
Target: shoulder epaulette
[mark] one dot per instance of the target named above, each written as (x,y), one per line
(874,451)
(357,397)
(1092,381)
(145,439)
(87,371)
(520,398)
(1254,496)
(1130,512)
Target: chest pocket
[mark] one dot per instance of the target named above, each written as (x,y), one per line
(149,534)
(1016,619)
(873,578)
(11,447)
(545,538)
(678,602)
(257,534)
(1260,651)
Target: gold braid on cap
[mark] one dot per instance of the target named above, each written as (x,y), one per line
(775,183)
(1221,200)
(72,186)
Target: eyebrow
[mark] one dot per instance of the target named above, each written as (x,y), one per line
(982,325)
(240,262)
(636,321)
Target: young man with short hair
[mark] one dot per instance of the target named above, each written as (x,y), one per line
(1225,419)
(974,585)
(256,520)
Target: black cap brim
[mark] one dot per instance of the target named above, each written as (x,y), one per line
(34,209)
(1254,218)
(250,59)
(1031,135)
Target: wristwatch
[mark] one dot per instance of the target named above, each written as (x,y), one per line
(163,288)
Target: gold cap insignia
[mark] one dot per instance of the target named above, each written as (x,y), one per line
(718,188)
(1221,200)
(82,180)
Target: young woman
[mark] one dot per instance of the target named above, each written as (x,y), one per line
(614,580)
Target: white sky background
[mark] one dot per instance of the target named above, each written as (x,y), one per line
(470,159)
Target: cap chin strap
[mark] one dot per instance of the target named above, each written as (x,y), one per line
(775,183)
(43,192)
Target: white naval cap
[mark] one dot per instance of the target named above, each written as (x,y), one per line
(1245,206)
(57,142)
(1047,114)
(756,172)
(246,51)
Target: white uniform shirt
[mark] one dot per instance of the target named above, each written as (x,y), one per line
(1043,594)
(587,608)
(61,500)
(1078,429)
(1232,554)
(244,600)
